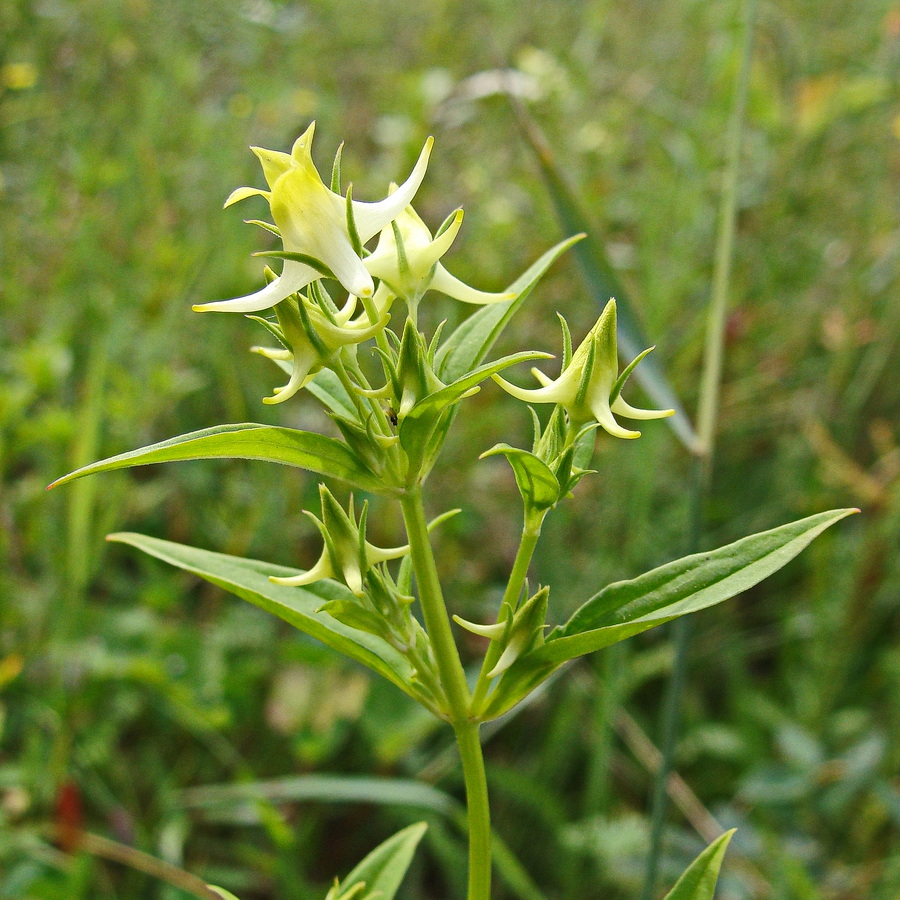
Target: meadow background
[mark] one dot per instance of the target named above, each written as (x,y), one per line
(123,126)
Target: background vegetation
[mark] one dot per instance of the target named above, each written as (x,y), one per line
(125,123)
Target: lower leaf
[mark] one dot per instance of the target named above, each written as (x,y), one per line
(299,606)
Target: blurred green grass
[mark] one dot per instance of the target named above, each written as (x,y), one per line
(123,126)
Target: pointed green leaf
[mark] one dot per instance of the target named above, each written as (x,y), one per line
(208,800)
(383,869)
(681,587)
(249,580)
(472,340)
(425,426)
(602,282)
(304,449)
(698,881)
(537,483)
(453,391)
(675,589)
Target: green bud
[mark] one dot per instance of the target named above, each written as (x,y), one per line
(516,634)
(347,555)
(588,387)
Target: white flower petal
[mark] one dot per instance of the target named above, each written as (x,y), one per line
(294,277)
(548,394)
(621,408)
(608,423)
(370,218)
(448,284)
(493,632)
(322,569)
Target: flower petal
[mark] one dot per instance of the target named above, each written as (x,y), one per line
(347,267)
(372,217)
(550,393)
(274,163)
(620,407)
(493,632)
(294,277)
(242,193)
(429,255)
(603,414)
(448,284)
(322,569)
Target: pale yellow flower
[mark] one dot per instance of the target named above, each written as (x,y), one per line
(313,222)
(412,266)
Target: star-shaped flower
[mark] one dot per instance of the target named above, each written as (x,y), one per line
(589,387)
(315,222)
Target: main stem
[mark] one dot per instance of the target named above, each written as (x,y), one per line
(478,807)
(453,679)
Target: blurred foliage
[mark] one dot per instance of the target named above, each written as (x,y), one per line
(123,125)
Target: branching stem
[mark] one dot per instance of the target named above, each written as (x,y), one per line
(531,531)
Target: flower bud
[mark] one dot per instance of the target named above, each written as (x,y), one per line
(347,555)
(588,387)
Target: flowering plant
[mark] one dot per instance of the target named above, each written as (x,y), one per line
(385,608)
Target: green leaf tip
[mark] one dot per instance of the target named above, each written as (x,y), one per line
(384,868)
(698,881)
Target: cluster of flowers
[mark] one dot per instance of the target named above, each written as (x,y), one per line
(324,233)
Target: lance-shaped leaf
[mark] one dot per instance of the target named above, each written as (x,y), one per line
(472,340)
(383,869)
(287,446)
(425,426)
(249,580)
(675,589)
(698,881)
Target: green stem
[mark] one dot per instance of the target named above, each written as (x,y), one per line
(340,369)
(531,531)
(479,812)
(434,610)
(453,679)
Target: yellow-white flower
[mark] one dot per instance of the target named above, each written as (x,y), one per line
(588,388)
(313,222)
(411,266)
